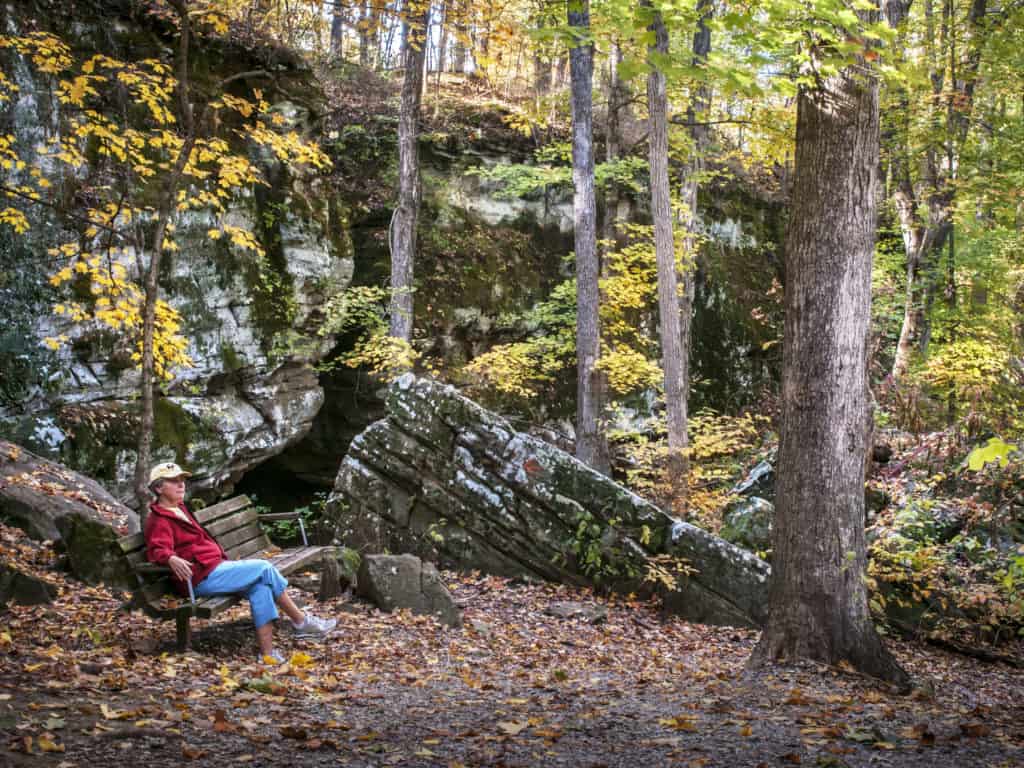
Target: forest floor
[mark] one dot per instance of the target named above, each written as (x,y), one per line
(84,683)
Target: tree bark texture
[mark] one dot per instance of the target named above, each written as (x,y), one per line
(165,208)
(403,226)
(672,351)
(818,607)
(591,443)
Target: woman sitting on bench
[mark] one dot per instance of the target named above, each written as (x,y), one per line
(174,538)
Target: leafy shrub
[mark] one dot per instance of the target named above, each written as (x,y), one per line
(288,533)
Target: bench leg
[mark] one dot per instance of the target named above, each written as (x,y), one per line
(184,630)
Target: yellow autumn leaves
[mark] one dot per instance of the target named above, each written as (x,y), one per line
(117,303)
(136,149)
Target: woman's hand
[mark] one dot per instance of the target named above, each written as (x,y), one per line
(180,567)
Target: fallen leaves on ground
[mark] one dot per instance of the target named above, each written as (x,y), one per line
(92,684)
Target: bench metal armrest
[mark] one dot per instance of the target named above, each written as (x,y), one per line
(288,516)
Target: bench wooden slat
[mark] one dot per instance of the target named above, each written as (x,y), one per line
(251,547)
(221,509)
(294,559)
(238,537)
(211,606)
(230,522)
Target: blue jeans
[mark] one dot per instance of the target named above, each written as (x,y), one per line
(258,580)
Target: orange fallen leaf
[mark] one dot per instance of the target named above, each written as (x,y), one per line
(220,722)
(191,753)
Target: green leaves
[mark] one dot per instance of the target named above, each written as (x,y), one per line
(995,450)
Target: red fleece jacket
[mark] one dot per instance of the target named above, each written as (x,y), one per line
(167,534)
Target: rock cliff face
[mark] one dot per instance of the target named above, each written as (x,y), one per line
(251,322)
(449,481)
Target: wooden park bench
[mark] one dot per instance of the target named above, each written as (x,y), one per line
(235,525)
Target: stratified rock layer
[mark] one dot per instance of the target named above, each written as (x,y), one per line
(445,479)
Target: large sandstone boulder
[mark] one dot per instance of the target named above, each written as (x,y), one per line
(453,483)
(35,494)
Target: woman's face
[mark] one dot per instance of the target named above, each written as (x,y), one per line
(172,491)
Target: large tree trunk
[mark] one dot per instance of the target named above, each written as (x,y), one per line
(818,605)
(591,443)
(403,225)
(672,351)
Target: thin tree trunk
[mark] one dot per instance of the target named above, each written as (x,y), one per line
(541,71)
(617,92)
(616,100)
(385,53)
(369,37)
(924,241)
(442,48)
(165,208)
(461,33)
(337,29)
(591,443)
(668,286)
(403,228)
(818,600)
(700,134)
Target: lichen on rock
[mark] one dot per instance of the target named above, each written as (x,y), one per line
(447,480)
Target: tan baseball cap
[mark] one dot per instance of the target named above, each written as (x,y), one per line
(166,471)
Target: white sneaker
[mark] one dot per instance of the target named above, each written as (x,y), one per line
(274,657)
(312,626)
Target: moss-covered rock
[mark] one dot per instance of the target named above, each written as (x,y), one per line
(36,493)
(93,552)
(449,481)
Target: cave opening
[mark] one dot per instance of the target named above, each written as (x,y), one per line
(275,487)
